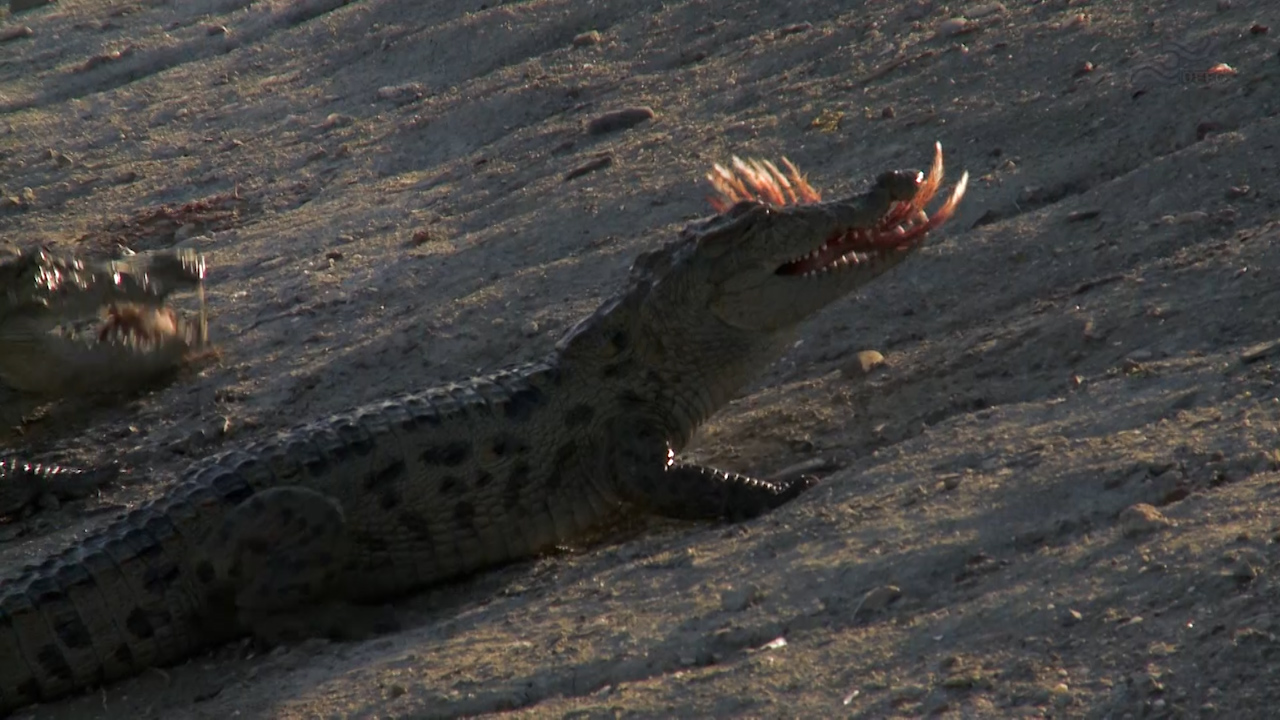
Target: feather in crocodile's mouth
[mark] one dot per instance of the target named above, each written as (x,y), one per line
(904,226)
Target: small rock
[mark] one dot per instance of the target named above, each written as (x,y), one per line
(598,162)
(877,599)
(956,26)
(623,119)
(529,329)
(863,364)
(1072,617)
(994,8)
(17,6)
(402,94)
(739,599)
(794,29)
(17,32)
(591,37)
(1141,519)
(908,693)
(216,30)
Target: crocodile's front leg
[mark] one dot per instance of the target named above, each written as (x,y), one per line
(649,476)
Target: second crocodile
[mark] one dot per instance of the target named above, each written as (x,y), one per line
(275,538)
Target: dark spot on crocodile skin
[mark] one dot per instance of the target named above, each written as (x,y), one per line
(73,576)
(370,542)
(579,415)
(29,690)
(522,403)
(205,572)
(620,340)
(483,480)
(317,531)
(630,400)
(417,525)
(449,455)
(354,437)
(232,487)
(623,367)
(516,483)
(142,543)
(50,658)
(317,466)
(73,633)
(565,457)
(123,654)
(157,580)
(430,417)
(139,624)
(389,499)
(450,484)
(257,545)
(507,444)
(286,515)
(385,476)
(44,591)
(463,514)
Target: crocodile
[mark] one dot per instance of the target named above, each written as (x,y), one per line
(294,533)
(43,296)
(46,353)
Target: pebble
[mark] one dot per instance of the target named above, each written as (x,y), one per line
(877,599)
(591,37)
(17,6)
(623,119)
(862,364)
(739,599)
(1142,519)
(402,94)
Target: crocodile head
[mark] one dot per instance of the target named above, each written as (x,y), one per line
(46,302)
(777,254)
(702,315)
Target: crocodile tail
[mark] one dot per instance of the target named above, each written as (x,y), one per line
(108,607)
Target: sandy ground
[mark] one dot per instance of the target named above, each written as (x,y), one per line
(380,188)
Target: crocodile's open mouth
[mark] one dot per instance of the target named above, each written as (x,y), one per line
(139,325)
(903,226)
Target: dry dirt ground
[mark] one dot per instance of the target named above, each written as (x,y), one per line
(380,188)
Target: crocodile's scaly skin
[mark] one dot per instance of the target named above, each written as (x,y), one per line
(426,487)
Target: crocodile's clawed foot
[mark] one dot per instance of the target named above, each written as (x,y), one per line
(46,302)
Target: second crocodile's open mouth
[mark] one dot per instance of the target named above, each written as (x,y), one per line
(904,226)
